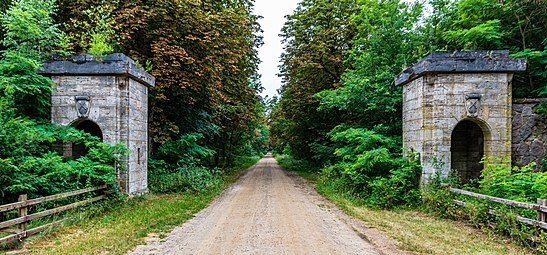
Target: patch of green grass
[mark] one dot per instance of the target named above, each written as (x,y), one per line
(416,231)
(118,226)
(123,226)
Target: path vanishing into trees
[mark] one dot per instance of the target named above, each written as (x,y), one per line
(267,211)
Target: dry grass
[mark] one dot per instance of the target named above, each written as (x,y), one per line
(421,233)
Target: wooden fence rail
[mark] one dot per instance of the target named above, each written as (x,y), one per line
(540,207)
(23,217)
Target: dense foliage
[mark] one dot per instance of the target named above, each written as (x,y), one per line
(28,162)
(516,25)
(205,101)
(371,166)
(351,122)
(317,36)
(182,166)
(203,55)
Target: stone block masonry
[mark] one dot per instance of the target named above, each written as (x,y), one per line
(457,109)
(529,133)
(111,97)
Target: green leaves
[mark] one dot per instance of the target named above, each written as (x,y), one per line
(28,163)
(30,30)
(317,36)
(515,183)
(516,25)
(187,150)
(488,34)
(388,39)
(22,88)
(373,168)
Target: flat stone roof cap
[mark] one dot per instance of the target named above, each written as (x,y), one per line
(86,64)
(490,61)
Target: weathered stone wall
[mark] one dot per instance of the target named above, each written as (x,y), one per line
(138,135)
(529,133)
(434,108)
(105,110)
(118,101)
(439,93)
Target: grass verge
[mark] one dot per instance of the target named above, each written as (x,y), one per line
(416,231)
(117,227)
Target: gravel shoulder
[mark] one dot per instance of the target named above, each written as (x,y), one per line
(270,211)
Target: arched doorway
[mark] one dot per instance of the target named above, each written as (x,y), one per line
(90,127)
(467,149)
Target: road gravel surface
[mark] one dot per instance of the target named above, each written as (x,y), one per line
(267,211)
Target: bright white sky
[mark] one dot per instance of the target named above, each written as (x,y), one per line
(274,12)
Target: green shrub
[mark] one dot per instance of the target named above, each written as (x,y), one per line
(363,155)
(400,187)
(187,150)
(524,184)
(182,178)
(371,166)
(182,165)
(29,166)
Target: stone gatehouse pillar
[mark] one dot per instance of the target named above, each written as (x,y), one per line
(108,99)
(457,109)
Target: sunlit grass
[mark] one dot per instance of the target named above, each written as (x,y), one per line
(422,233)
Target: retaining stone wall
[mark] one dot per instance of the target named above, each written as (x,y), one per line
(529,133)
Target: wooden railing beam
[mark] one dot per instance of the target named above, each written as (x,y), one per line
(17,205)
(23,216)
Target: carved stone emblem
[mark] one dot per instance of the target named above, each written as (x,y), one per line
(82,106)
(473,103)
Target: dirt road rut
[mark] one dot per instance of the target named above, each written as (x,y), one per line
(265,212)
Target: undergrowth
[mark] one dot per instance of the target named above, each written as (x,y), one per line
(498,179)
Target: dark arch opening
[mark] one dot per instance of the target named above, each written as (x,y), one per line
(467,148)
(90,127)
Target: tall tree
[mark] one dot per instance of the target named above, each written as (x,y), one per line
(203,55)
(387,41)
(316,37)
(516,25)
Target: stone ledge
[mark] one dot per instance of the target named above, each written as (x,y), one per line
(463,61)
(85,64)
(529,100)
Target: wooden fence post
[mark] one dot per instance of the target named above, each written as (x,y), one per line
(23,211)
(542,217)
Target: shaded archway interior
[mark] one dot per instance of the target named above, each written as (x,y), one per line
(467,148)
(90,127)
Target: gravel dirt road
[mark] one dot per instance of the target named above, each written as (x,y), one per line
(267,211)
